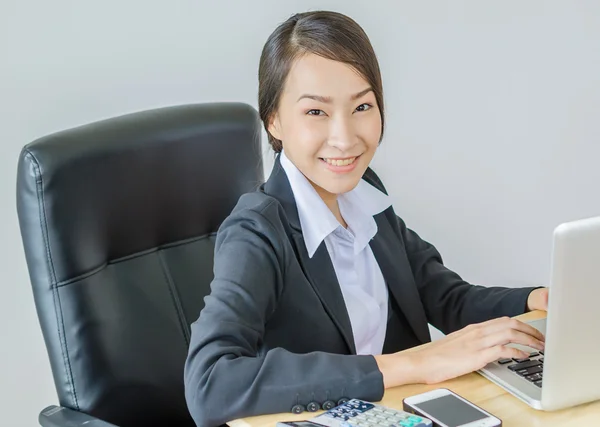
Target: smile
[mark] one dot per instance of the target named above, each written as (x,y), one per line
(340,166)
(339,162)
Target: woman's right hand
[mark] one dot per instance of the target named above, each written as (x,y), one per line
(460,352)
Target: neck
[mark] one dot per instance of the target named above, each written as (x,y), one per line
(331,202)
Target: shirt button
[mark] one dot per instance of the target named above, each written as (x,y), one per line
(313,407)
(328,404)
(298,409)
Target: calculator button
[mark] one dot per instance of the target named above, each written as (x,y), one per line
(415,419)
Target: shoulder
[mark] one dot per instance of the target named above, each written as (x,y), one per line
(257,206)
(255,216)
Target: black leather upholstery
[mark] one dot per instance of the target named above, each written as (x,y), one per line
(118,220)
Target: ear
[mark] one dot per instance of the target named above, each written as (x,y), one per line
(275,127)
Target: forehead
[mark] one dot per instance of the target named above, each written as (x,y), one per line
(316,75)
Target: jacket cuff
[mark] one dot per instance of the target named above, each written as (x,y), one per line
(370,387)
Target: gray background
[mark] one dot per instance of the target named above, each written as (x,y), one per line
(492,138)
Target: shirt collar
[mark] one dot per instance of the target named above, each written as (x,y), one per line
(358,206)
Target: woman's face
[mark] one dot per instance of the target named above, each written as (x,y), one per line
(329,123)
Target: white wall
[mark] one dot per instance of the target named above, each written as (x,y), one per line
(493,120)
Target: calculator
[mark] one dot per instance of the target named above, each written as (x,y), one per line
(358,413)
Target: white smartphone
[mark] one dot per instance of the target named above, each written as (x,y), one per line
(447,409)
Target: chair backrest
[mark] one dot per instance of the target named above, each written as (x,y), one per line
(118,220)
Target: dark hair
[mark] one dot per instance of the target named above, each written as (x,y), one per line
(328,34)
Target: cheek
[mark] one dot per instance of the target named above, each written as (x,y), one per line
(308,135)
(371,129)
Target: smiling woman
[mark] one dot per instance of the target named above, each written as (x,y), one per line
(331,136)
(319,288)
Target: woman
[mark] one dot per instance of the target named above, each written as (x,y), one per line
(319,287)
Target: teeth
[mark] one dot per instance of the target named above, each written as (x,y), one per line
(344,162)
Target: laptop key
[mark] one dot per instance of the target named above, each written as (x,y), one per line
(535,353)
(541,352)
(541,359)
(523,365)
(530,371)
(504,361)
(533,378)
(538,383)
(521,360)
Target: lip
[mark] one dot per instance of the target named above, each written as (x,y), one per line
(341,169)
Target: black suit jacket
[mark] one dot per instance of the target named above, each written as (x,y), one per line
(275,331)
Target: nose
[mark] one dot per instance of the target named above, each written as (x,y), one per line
(342,135)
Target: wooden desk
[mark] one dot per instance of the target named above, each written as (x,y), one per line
(478,390)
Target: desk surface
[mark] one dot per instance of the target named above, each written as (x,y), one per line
(478,390)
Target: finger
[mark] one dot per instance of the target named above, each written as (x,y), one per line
(505,323)
(478,327)
(503,352)
(511,336)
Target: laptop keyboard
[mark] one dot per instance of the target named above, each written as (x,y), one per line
(530,368)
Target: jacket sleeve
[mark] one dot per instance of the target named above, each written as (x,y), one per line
(451,303)
(227,376)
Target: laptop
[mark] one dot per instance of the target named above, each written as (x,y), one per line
(567,372)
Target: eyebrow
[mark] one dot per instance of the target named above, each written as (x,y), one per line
(329,100)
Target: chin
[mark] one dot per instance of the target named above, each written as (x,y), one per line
(340,187)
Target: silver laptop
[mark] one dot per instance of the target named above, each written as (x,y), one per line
(568,371)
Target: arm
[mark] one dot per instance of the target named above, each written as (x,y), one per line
(450,302)
(227,376)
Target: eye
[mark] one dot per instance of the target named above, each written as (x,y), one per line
(315,112)
(364,107)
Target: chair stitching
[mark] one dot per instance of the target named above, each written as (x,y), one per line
(175,298)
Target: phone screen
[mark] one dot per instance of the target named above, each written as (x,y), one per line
(451,411)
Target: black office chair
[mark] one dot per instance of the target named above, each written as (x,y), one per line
(118,220)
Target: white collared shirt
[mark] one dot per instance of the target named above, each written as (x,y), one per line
(362,284)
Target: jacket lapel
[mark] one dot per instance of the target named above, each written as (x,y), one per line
(318,269)
(321,275)
(392,259)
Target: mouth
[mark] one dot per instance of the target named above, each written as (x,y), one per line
(340,164)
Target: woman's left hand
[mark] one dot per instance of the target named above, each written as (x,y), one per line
(538,300)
